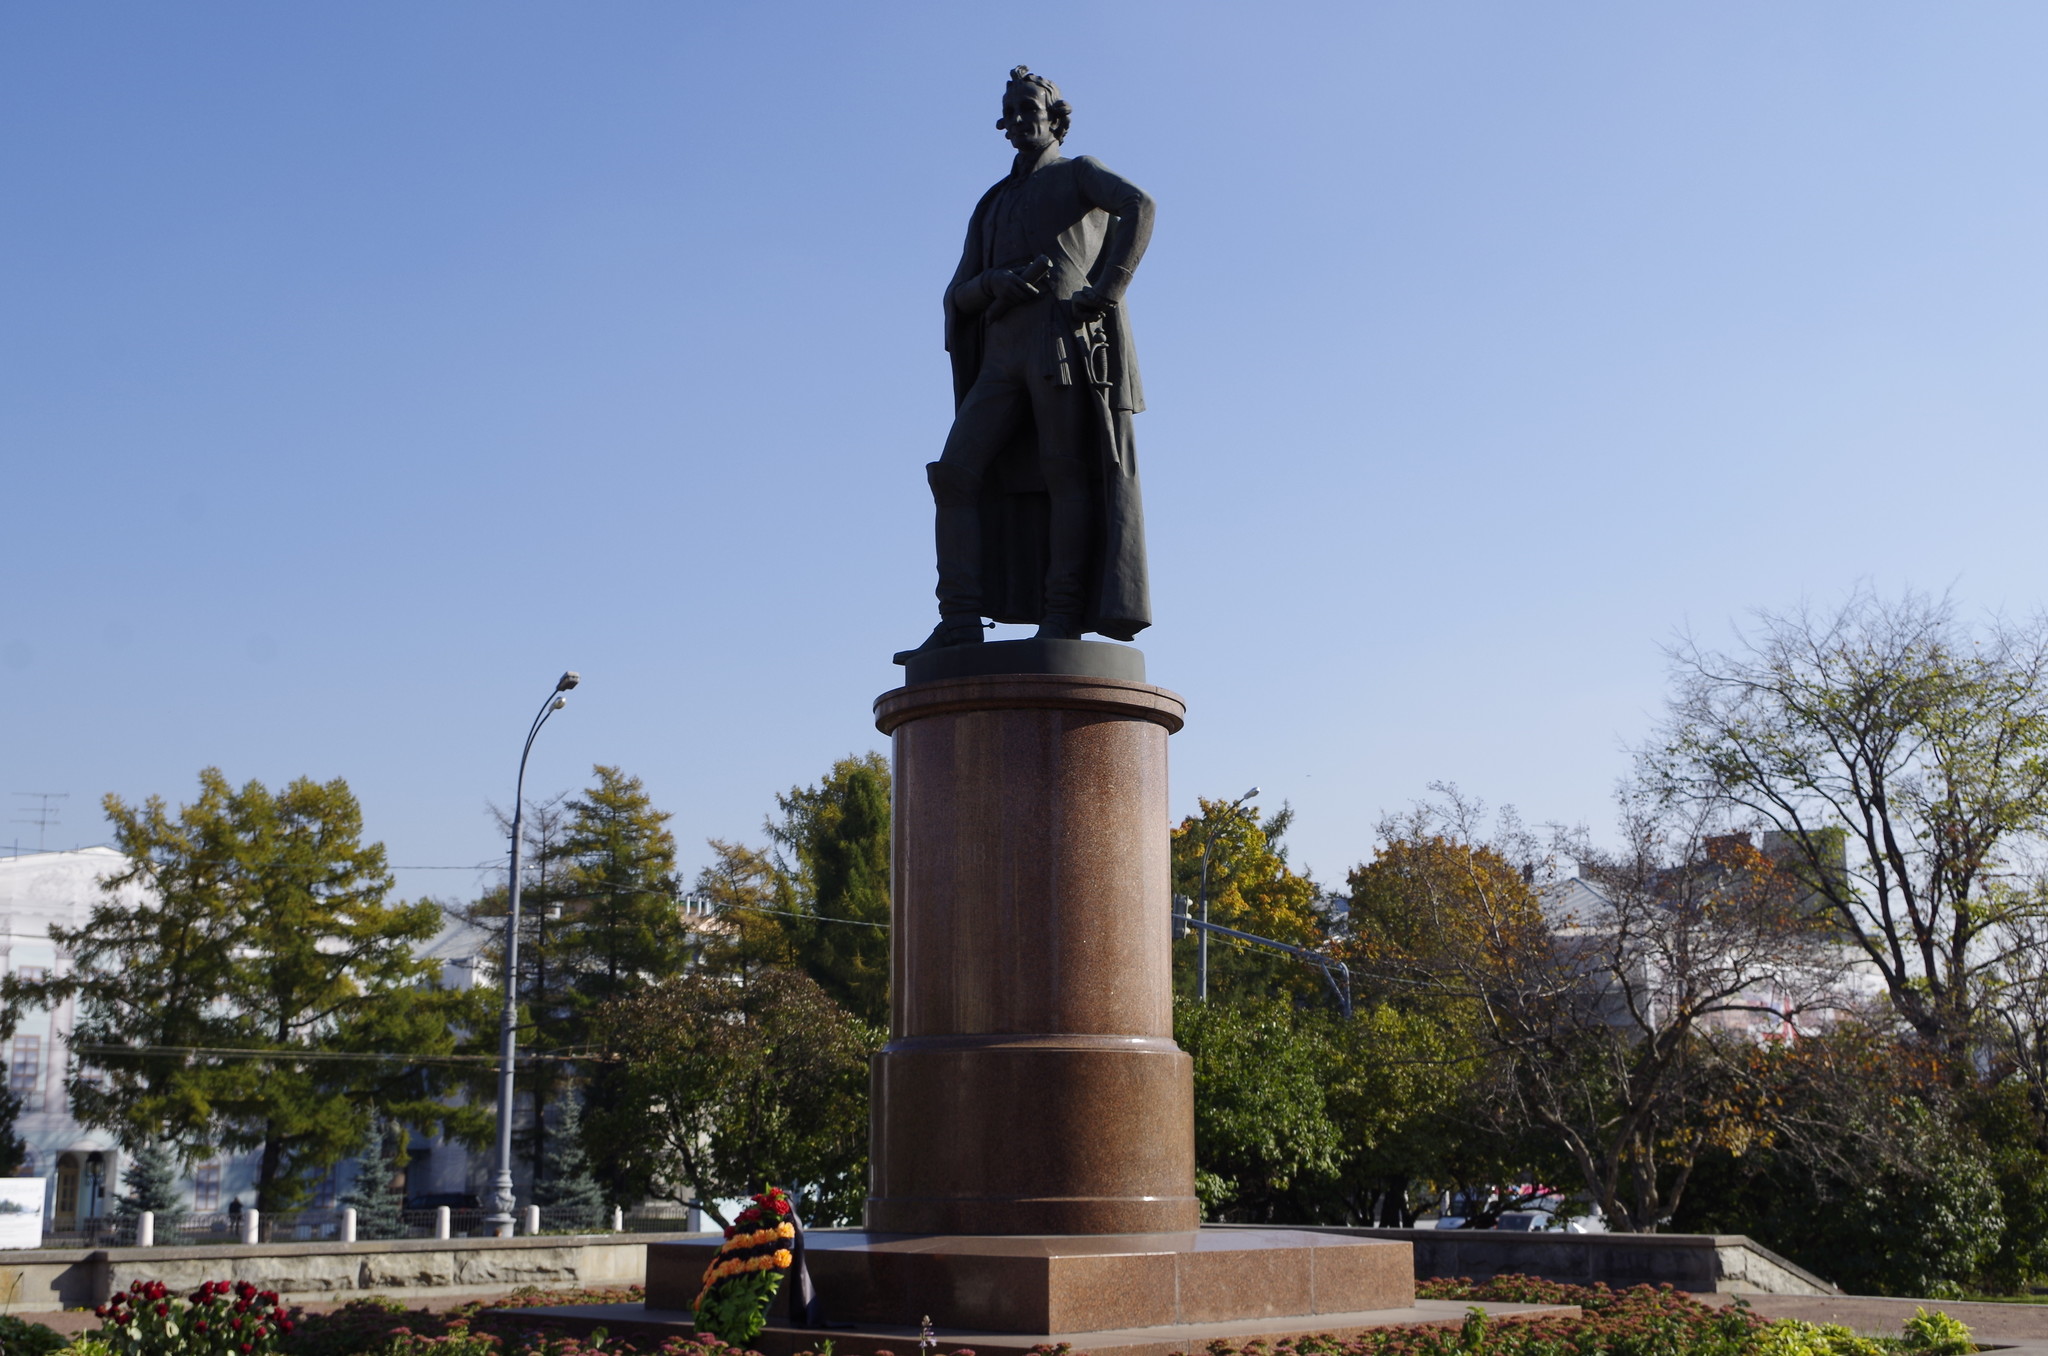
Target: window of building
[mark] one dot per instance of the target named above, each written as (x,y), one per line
(25,1072)
(206,1187)
(31,974)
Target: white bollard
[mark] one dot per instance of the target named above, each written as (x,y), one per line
(348,1224)
(618,1219)
(532,1220)
(441,1222)
(145,1229)
(251,1220)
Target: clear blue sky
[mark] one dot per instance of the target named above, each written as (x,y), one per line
(364,365)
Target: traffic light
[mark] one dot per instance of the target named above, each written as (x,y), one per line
(1180,916)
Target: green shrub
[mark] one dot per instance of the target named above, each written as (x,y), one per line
(19,1337)
(1937,1334)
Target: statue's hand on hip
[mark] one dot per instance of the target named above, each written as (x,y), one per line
(1089,302)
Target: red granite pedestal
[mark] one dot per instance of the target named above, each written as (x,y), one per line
(1033,1121)
(1067,1284)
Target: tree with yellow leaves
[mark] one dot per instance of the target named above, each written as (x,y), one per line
(1251,887)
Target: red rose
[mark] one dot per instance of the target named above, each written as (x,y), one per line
(163,1310)
(284,1325)
(237,1325)
(200,1326)
(782,1207)
(246,1347)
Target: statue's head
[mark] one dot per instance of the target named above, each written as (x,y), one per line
(1034,115)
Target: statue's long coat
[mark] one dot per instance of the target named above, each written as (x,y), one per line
(1015,510)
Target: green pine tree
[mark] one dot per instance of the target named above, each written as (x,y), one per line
(379,1204)
(152,1181)
(568,1196)
(833,844)
(621,926)
(260,921)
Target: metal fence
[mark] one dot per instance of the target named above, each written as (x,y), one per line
(195,1228)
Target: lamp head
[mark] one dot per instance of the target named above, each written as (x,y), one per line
(568,680)
(1252,794)
(560,702)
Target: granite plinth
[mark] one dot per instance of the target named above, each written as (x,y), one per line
(1072,1284)
(1031,1084)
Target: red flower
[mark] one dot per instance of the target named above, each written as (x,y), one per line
(246,1347)
(237,1325)
(781,1207)
(284,1325)
(200,1326)
(163,1310)
(100,1311)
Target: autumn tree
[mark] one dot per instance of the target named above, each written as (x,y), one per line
(1611,1007)
(1867,1142)
(728,1083)
(1901,760)
(1253,888)
(252,987)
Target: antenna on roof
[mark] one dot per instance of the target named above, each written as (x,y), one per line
(46,814)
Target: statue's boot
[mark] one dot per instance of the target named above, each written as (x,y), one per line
(1059,628)
(949,632)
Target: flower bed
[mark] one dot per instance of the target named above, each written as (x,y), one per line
(1640,1321)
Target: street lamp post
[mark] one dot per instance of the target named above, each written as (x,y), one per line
(502,1201)
(1208,837)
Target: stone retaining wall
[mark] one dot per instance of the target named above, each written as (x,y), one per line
(52,1278)
(1702,1263)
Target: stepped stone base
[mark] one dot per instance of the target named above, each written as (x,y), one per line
(1048,1284)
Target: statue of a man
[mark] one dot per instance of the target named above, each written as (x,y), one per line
(1037,488)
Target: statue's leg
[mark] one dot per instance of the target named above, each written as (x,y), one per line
(1063,441)
(985,421)
(987,418)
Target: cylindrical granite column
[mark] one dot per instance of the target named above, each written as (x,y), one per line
(1031,1084)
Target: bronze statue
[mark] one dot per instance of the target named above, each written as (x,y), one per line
(1037,488)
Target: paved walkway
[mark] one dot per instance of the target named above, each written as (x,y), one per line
(2003,1323)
